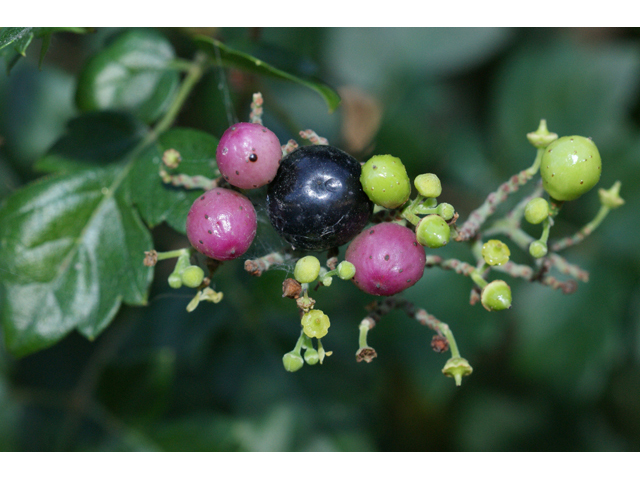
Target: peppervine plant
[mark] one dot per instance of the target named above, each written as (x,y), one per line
(76,244)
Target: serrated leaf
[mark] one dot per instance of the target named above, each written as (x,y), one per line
(132,74)
(158,202)
(234,58)
(72,252)
(9,35)
(93,139)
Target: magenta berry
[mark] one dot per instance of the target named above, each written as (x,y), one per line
(388,259)
(248,155)
(221,224)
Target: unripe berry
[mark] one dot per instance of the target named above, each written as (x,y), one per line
(496,296)
(175,280)
(388,259)
(570,167)
(428,185)
(307,269)
(494,252)
(292,362)
(385,181)
(536,211)
(192,276)
(346,270)
(538,249)
(433,231)
(315,324)
(221,224)
(248,155)
(311,356)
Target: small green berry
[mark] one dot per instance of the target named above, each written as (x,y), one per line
(446,211)
(457,367)
(292,361)
(570,167)
(175,280)
(346,270)
(536,211)
(384,179)
(307,269)
(433,231)
(428,185)
(494,252)
(496,296)
(327,281)
(311,356)
(315,324)
(192,276)
(538,249)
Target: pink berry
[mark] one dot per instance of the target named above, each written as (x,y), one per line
(248,155)
(221,224)
(388,259)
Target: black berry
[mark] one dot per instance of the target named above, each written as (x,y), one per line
(316,200)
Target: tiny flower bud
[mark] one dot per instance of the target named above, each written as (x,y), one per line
(457,367)
(307,269)
(315,324)
(292,361)
(494,252)
(541,137)
(428,185)
(496,296)
(346,270)
(611,198)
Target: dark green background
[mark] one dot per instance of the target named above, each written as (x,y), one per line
(555,372)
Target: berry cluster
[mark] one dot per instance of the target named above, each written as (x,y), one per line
(320,198)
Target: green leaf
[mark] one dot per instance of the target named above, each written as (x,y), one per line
(23,43)
(158,202)
(218,51)
(9,35)
(95,138)
(72,252)
(132,74)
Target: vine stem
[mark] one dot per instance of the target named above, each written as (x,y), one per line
(480,214)
(584,231)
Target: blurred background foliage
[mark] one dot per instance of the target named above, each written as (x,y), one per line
(556,372)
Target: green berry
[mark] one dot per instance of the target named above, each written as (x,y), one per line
(496,296)
(315,324)
(346,270)
(570,167)
(292,361)
(311,356)
(538,249)
(175,280)
(536,211)
(384,179)
(446,211)
(192,276)
(428,185)
(307,269)
(495,252)
(433,231)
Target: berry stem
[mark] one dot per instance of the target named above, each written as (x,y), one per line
(478,216)
(188,181)
(258,266)
(173,253)
(584,231)
(256,109)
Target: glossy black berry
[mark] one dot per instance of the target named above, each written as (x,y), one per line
(316,200)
